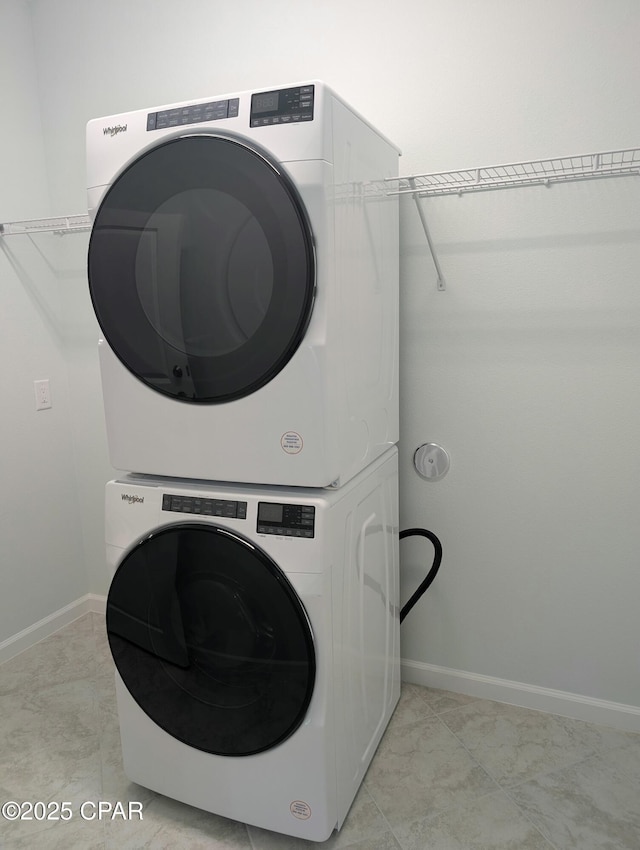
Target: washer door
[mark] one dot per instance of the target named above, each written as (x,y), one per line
(211,640)
(202,268)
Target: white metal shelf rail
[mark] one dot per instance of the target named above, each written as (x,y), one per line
(60,225)
(535,172)
(562,169)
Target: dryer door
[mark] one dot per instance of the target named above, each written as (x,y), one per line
(211,640)
(202,268)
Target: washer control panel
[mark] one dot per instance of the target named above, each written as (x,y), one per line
(284,106)
(286,520)
(204,507)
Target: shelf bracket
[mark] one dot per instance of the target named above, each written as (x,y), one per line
(441,285)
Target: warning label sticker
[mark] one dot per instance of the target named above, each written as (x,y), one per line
(301,810)
(291,442)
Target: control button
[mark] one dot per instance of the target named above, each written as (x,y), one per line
(306,89)
(242,510)
(166,502)
(151,123)
(234,107)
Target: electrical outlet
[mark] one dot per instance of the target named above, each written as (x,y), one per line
(43,394)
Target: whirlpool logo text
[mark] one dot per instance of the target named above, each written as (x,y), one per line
(131,499)
(113,131)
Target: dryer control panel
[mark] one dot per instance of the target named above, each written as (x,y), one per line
(196,113)
(286,520)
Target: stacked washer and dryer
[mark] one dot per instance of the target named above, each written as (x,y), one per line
(243,268)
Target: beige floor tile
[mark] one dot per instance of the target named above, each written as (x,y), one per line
(411,706)
(625,759)
(440,701)
(75,834)
(514,744)
(66,656)
(386,841)
(170,825)
(492,822)
(589,806)
(420,768)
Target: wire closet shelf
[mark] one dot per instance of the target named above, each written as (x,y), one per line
(617,163)
(589,166)
(59,225)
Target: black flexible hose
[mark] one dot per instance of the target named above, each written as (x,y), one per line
(437,558)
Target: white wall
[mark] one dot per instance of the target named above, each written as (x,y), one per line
(526,369)
(41,568)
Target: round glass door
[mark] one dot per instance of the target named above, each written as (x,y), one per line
(211,640)
(202,269)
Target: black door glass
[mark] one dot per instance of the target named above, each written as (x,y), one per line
(211,640)
(202,269)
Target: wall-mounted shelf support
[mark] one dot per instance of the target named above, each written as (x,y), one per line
(423,219)
(60,225)
(539,172)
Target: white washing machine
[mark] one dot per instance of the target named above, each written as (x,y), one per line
(243,267)
(255,633)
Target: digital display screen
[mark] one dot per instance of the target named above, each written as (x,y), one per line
(268,512)
(285,106)
(267,102)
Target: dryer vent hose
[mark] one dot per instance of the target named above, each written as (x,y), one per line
(437,558)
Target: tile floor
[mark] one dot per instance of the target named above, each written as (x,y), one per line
(451,773)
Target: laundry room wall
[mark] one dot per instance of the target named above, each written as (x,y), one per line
(41,567)
(525,369)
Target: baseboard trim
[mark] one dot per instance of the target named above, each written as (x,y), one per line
(48,626)
(617,715)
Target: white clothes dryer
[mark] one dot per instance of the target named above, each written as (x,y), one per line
(243,268)
(255,633)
